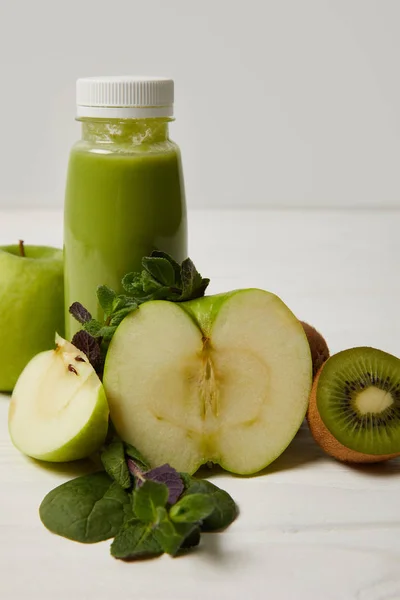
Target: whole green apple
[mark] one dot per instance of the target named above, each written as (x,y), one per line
(31,306)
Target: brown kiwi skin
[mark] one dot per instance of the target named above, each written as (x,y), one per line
(328,442)
(318,346)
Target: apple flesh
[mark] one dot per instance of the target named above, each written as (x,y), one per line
(58,410)
(31,306)
(223,378)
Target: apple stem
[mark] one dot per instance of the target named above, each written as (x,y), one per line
(21,248)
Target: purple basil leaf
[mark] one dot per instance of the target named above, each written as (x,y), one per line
(89,346)
(135,471)
(79,312)
(170,477)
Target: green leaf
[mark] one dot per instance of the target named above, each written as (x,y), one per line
(87,509)
(120,315)
(122,301)
(128,511)
(192,536)
(106,332)
(106,297)
(225,510)
(166,534)
(137,456)
(176,267)
(164,279)
(193,286)
(149,284)
(114,462)
(148,498)
(93,327)
(192,508)
(132,282)
(160,269)
(135,540)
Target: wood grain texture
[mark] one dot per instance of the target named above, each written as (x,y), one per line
(310,527)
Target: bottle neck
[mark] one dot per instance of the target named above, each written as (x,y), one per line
(131,132)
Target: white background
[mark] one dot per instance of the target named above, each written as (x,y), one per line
(278,102)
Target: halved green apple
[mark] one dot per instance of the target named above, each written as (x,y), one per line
(58,410)
(222,378)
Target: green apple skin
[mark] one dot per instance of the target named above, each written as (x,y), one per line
(46,395)
(31,306)
(88,441)
(85,443)
(205,313)
(204,310)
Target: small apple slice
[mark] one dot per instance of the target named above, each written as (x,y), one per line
(58,410)
(222,378)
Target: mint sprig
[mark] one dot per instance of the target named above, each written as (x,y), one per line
(146,510)
(162,278)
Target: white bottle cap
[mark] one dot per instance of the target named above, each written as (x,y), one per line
(124,97)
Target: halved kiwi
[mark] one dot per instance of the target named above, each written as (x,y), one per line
(354,410)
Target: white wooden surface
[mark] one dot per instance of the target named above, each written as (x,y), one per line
(309,527)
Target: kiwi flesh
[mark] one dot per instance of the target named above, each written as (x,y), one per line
(354,410)
(318,347)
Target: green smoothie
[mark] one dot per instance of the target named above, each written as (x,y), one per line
(124,198)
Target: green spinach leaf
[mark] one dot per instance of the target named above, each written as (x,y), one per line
(87,509)
(225,510)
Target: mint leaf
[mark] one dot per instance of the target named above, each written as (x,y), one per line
(160,269)
(79,312)
(170,477)
(162,278)
(135,540)
(174,536)
(225,510)
(193,285)
(106,332)
(93,327)
(135,471)
(137,457)
(120,315)
(106,297)
(97,330)
(87,509)
(148,498)
(89,346)
(176,267)
(132,282)
(149,284)
(113,459)
(166,534)
(192,508)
